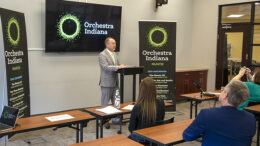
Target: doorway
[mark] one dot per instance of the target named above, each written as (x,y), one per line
(232,52)
(238,41)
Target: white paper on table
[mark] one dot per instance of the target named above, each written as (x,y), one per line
(59,117)
(214,93)
(109,110)
(129,107)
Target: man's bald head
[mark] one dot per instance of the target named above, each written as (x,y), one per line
(110,44)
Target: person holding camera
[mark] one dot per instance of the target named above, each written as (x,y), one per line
(253,85)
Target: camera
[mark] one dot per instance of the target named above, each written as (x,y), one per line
(161,2)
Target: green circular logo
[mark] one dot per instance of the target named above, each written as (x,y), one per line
(165,36)
(62,34)
(13,41)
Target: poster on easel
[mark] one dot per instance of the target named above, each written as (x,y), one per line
(15,56)
(157,53)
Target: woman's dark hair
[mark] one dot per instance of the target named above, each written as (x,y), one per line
(257,76)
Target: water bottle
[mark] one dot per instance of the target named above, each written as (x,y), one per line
(117,99)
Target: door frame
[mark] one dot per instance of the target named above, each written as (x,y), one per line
(234,27)
(252,23)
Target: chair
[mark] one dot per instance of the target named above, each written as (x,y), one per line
(146,143)
(171,120)
(251,103)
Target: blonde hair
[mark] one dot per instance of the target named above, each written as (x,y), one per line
(147,99)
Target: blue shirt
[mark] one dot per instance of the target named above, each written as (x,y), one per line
(223,126)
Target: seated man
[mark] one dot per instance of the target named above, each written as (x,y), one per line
(225,126)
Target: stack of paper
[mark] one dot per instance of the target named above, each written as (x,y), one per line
(109,110)
(59,117)
(129,107)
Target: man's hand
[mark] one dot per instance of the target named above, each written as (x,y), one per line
(248,75)
(248,71)
(121,66)
(242,72)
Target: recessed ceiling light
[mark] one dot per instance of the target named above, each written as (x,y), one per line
(235,15)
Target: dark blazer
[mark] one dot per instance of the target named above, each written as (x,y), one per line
(224,126)
(136,120)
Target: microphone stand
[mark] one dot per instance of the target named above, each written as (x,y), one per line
(201,93)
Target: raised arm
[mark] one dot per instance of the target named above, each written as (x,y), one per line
(248,75)
(240,74)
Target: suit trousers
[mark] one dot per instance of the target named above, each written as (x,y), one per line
(108,93)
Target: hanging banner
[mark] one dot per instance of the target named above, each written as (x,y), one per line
(16,60)
(157,46)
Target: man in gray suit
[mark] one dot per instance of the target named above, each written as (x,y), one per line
(109,64)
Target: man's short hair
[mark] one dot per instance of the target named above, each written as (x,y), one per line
(108,38)
(237,93)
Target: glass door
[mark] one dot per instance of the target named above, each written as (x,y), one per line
(234,40)
(232,52)
(233,48)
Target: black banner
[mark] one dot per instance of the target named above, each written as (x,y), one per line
(157,55)
(16,60)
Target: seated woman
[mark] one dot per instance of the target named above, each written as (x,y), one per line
(253,85)
(147,110)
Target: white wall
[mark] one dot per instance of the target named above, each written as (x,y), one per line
(204,35)
(70,80)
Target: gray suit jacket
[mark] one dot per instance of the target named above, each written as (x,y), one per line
(108,75)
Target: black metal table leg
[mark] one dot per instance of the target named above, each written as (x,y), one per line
(215,103)
(121,88)
(150,143)
(77,133)
(257,142)
(120,126)
(97,130)
(196,108)
(191,106)
(101,128)
(81,132)
(134,87)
